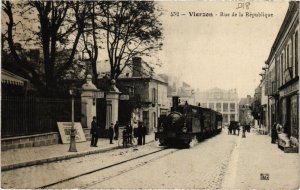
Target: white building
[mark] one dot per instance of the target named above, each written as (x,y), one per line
(224,101)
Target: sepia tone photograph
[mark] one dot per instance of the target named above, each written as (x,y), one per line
(150,94)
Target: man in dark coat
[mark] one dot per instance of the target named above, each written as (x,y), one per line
(129,132)
(139,134)
(111,133)
(274,134)
(116,128)
(144,132)
(94,132)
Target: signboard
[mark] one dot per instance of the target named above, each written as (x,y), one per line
(65,130)
(99,94)
(289,89)
(124,97)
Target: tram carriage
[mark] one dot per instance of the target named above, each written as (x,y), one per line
(185,122)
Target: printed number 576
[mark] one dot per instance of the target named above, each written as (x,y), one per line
(174,13)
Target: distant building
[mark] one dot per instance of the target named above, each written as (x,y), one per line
(223,101)
(178,88)
(147,94)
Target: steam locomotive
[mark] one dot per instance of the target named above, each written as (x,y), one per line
(186,122)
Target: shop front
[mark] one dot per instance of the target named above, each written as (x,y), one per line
(289,112)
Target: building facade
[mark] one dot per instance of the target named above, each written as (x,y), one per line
(223,101)
(147,95)
(282,78)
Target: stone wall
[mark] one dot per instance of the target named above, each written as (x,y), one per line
(30,141)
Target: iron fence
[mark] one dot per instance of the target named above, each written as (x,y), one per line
(32,115)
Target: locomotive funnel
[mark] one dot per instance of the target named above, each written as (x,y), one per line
(175,103)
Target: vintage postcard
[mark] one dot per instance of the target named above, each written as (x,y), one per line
(150,94)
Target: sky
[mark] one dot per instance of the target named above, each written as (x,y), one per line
(225,52)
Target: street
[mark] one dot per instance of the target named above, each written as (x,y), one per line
(223,161)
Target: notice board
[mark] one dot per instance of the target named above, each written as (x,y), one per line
(65,130)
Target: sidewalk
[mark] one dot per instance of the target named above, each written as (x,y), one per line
(17,158)
(254,156)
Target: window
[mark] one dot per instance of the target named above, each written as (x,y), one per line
(232,117)
(288,56)
(218,105)
(225,118)
(232,107)
(225,107)
(153,95)
(154,119)
(281,69)
(211,106)
(296,54)
(278,71)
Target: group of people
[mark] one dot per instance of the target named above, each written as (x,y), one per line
(139,133)
(113,133)
(235,127)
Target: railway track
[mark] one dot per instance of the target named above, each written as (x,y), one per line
(169,151)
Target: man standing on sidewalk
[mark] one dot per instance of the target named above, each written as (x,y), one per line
(144,131)
(111,133)
(116,128)
(94,133)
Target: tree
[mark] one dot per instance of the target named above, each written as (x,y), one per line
(56,27)
(91,37)
(132,29)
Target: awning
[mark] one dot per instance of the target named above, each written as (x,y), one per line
(10,78)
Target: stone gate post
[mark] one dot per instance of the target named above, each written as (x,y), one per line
(112,108)
(88,102)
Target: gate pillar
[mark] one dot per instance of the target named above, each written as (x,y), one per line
(88,102)
(112,104)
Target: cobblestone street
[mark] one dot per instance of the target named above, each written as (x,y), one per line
(224,161)
(202,166)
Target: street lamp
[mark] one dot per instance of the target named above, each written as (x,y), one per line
(72,134)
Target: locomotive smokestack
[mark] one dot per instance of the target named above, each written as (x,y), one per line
(175,103)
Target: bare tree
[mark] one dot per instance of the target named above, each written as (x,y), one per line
(132,29)
(56,25)
(91,37)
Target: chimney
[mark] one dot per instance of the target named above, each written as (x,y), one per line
(137,67)
(175,103)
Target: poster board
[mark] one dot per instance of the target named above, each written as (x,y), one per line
(65,130)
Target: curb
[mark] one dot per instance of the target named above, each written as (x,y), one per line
(57,158)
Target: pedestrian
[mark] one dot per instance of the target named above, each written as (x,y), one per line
(244,132)
(125,138)
(111,133)
(144,132)
(139,134)
(229,129)
(94,132)
(238,129)
(129,132)
(274,134)
(116,128)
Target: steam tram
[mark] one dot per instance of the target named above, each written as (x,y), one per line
(186,122)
